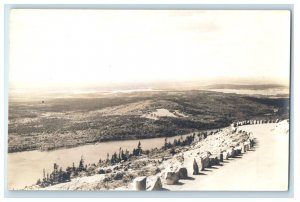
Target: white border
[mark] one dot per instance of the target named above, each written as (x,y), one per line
(295,84)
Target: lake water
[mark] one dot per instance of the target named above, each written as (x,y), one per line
(24,168)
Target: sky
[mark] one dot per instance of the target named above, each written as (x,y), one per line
(61,48)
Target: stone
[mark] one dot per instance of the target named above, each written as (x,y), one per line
(237,150)
(201,164)
(182,173)
(252,143)
(221,157)
(225,155)
(171,178)
(231,152)
(217,161)
(248,146)
(242,148)
(206,162)
(195,168)
(245,148)
(212,161)
(101,171)
(108,170)
(140,183)
(156,185)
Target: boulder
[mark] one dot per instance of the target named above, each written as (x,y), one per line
(206,163)
(237,150)
(171,178)
(231,152)
(108,170)
(225,155)
(249,143)
(140,183)
(156,185)
(252,143)
(242,148)
(195,168)
(182,173)
(221,157)
(213,160)
(101,171)
(201,164)
(217,161)
(245,148)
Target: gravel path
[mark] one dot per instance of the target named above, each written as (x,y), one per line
(264,168)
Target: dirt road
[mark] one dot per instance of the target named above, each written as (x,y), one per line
(264,168)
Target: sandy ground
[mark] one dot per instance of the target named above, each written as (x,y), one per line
(264,168)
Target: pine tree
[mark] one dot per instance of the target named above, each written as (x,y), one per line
(107,158)
(134,152)
(166,144)
(175,143)
(127,154)
(119,156)
(123,157)
(81,164)
(44,175)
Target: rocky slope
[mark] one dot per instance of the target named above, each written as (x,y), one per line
(156,164)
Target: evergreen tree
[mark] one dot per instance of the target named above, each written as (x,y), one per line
(81,164)
(175,143)
(119,156)
(44,175)
(127,154)
(73,167)
(165,144)
(123,156)
(107,158)
(134,152)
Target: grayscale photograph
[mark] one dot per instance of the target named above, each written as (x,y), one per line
(148,100)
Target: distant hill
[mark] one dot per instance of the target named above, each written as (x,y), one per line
(246,87)
(69,122)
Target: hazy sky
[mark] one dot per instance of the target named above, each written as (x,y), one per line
(83,47)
